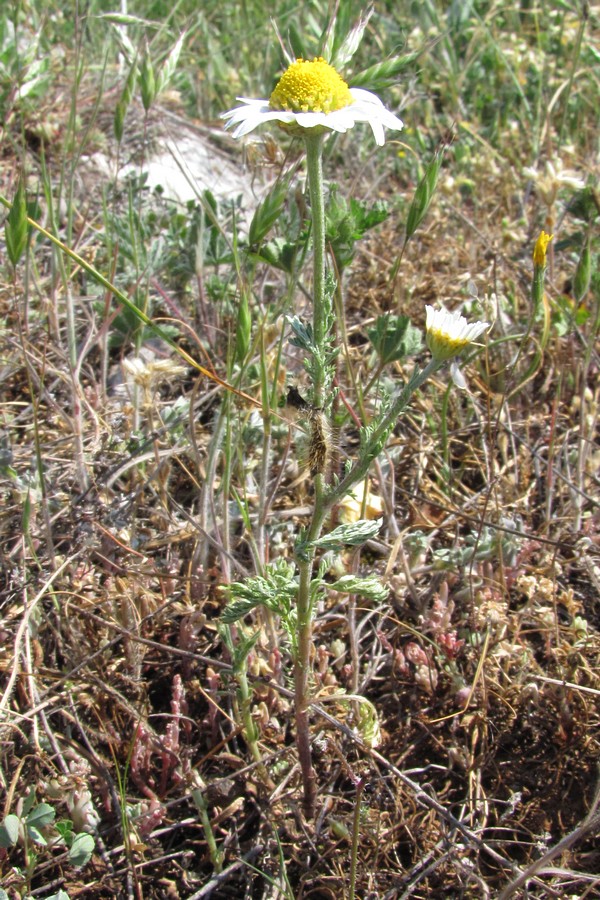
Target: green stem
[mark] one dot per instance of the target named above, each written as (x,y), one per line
(321,313)
(377,439)
(325,496)
(321,321)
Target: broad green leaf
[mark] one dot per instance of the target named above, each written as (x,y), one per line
(41,815)
(9,831)
(36,836)
(28,802)
(81,850)
(583,274)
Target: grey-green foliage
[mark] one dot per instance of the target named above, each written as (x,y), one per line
(276,589)
(368,586)
(490,543)
(351,535)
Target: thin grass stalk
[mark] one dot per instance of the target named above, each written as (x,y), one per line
(214,450)
(587,428)
(355,838)
(585,12)
(72,350)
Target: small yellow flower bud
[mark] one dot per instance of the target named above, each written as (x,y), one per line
(539,252)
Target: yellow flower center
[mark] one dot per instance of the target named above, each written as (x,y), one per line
(443,346)
(307,86)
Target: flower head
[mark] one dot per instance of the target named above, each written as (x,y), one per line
(449,333)
(549,181)
(312,95)
(539,251)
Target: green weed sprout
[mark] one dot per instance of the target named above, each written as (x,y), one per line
(310,101)
(34,828)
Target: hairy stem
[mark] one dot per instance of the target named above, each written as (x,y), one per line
(321,320)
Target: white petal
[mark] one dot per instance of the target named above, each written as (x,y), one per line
(457,376)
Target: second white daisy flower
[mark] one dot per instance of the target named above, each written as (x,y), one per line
(448,334)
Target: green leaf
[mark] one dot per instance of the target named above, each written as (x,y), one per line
(15,227)
(369,586)
(583,274)
(276,589)
(303,335)
(41,815)
(296,42)
(383,74)
(123,103)
(424,193)
(81,850)
(347,222)
(65,829)
(9,831)
(147,81)
(169,66)
(267,213)
(28,802)
(239,608)
(393,337)
(36,836)
(351,535)
(243,329)
(278,253)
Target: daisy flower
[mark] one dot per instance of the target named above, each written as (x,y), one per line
(554,176)
(448,334)
(312,95)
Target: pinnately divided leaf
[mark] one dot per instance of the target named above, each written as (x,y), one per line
(351,535)
(276,590)
(368,586)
